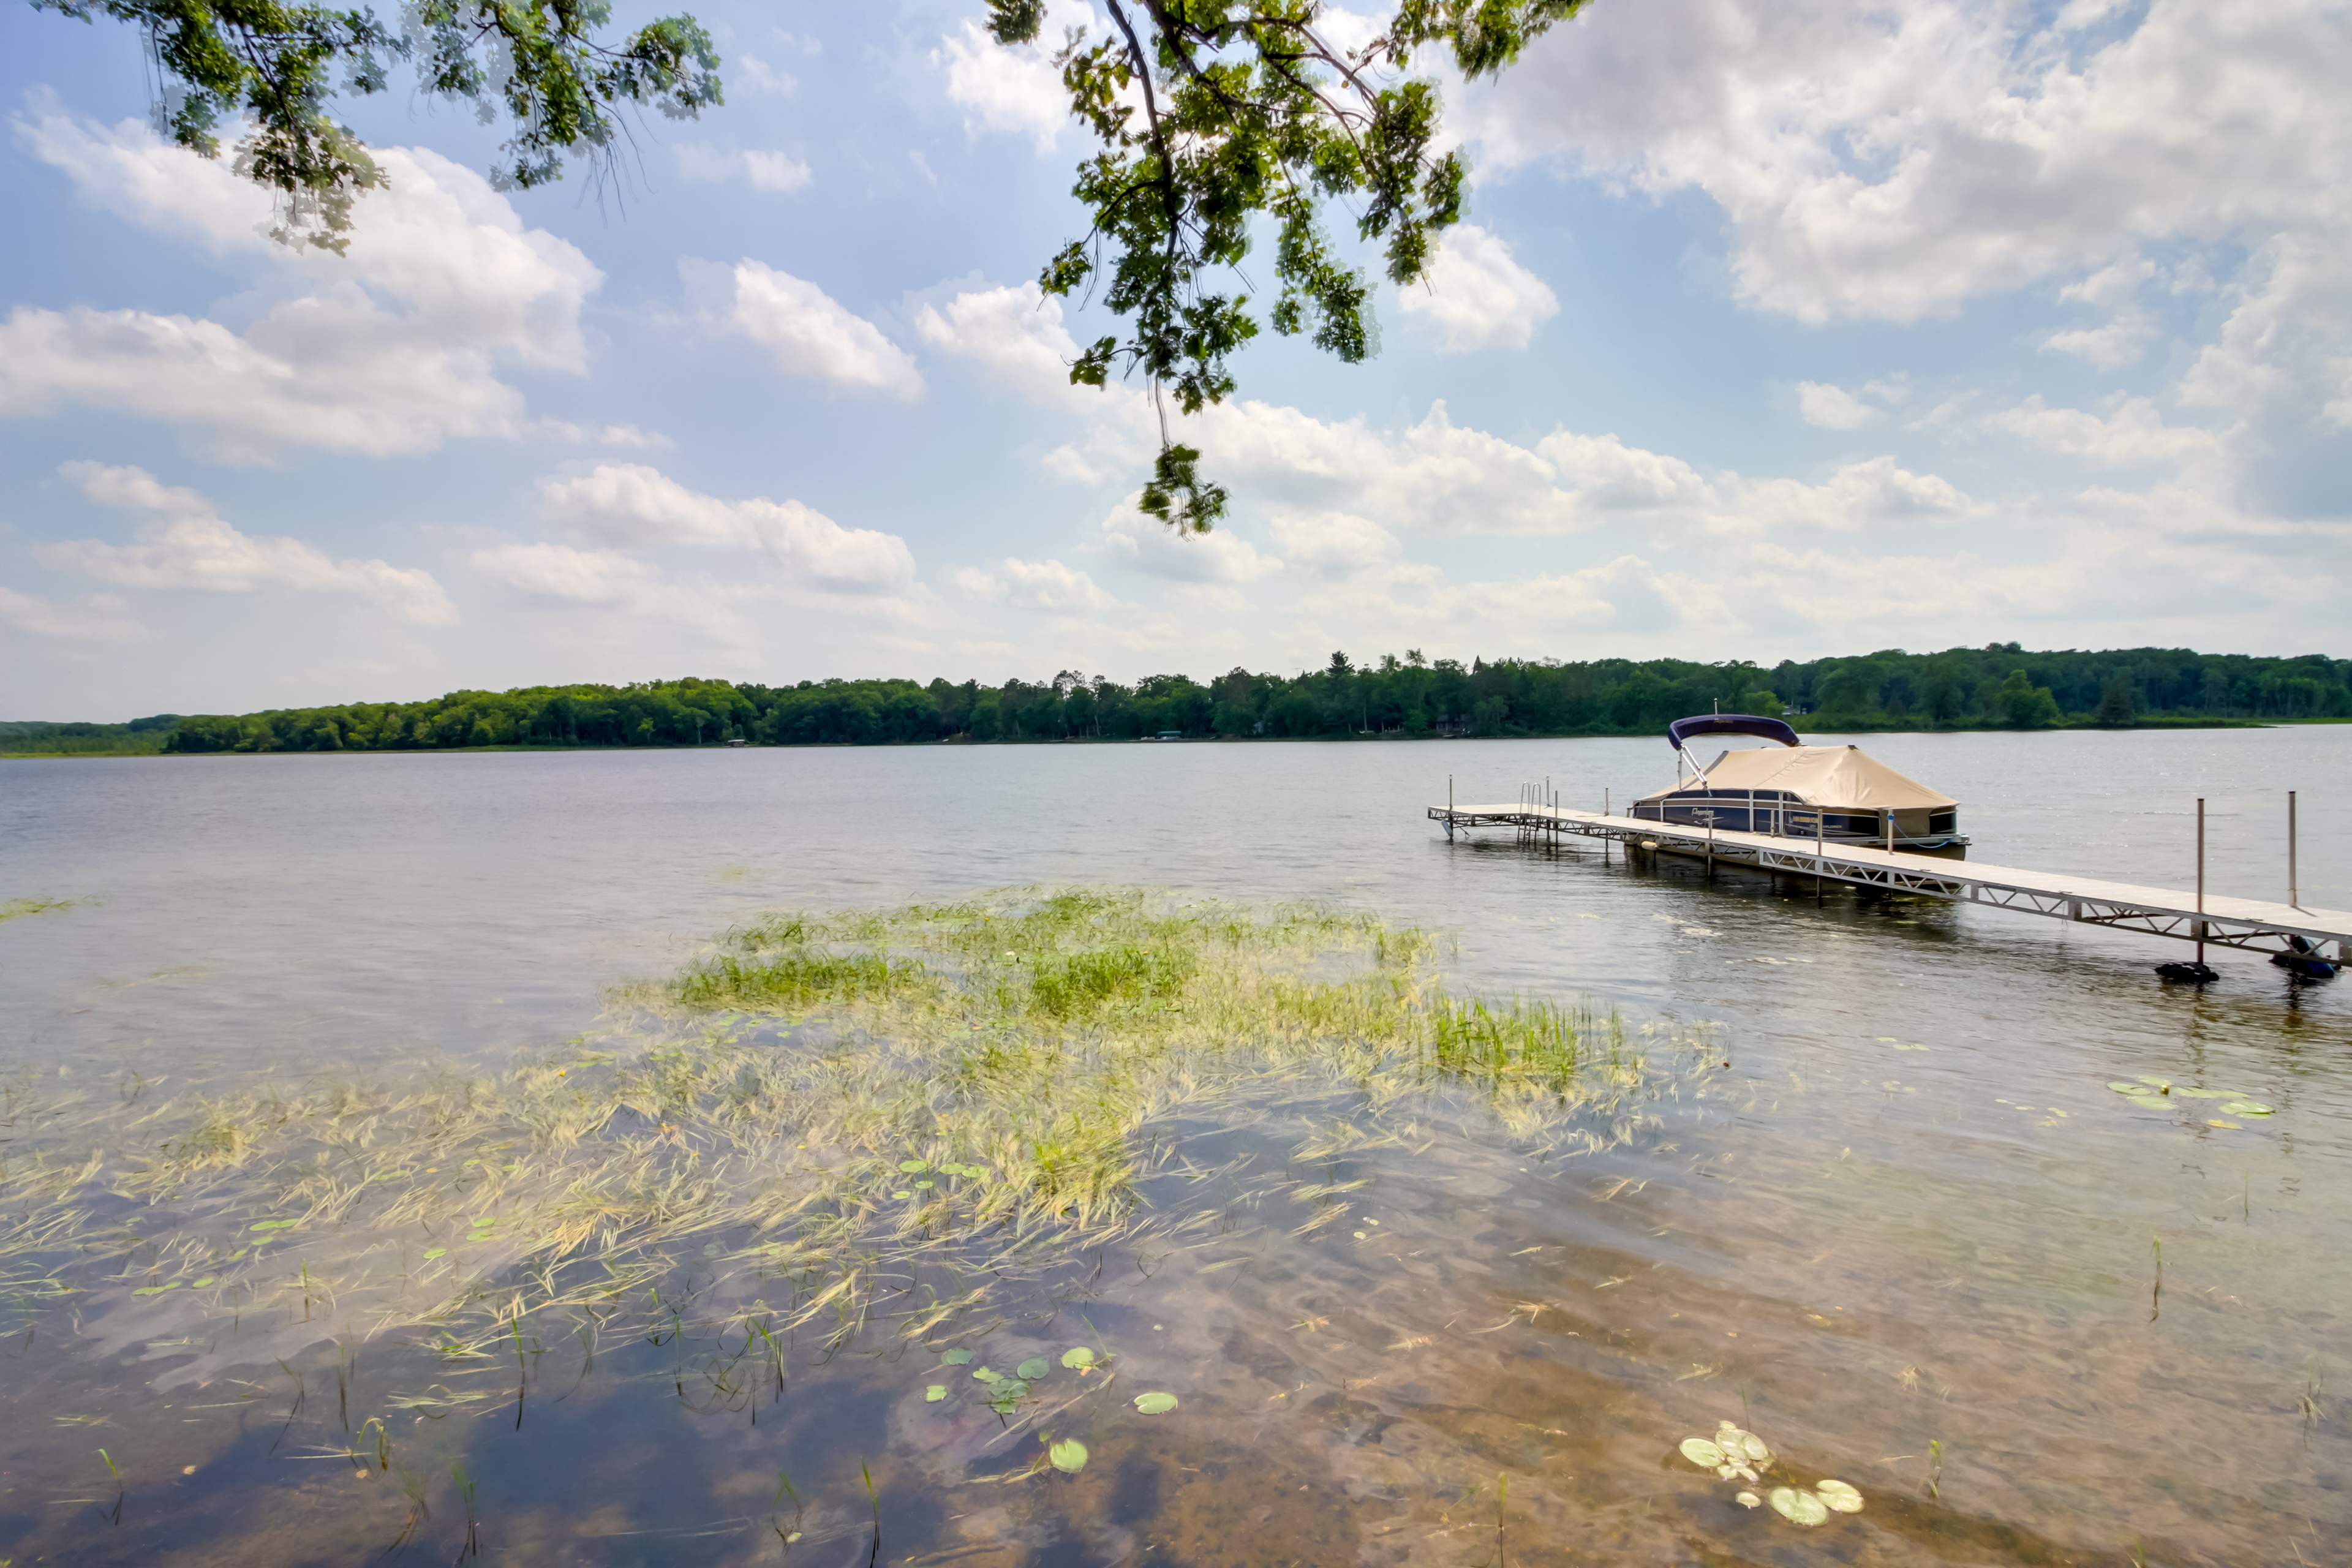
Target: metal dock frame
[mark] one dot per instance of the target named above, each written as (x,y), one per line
(2247,924)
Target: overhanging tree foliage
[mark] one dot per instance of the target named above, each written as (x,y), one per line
(274,68)
(1210,113)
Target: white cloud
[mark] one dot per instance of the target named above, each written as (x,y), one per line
(186,547)
(1149,545)
(616,593)
(1891,162)
(93,619)
(1034,585)
(1015,90)
(628,506)
(762,171)
(806,331)
(2117,344)
(564,575)
(2135,434)
(1440,478)
(1832,407)
(1016,333)
(1869,494)
(751,71)
(1333,544)
(391,348)
(2287,348)
(627,436)
(1477,297)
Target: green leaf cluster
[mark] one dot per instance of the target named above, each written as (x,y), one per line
(274,68)
(1213,116)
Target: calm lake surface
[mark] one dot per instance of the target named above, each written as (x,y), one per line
(1887,1213)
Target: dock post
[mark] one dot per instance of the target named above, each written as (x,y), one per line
(2201,879)
(1820,838)
(2291,903)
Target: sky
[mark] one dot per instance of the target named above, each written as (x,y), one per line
(1775,329)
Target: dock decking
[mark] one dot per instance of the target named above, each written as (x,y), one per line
(2247,924)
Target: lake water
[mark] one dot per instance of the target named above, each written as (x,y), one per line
(1895,1221)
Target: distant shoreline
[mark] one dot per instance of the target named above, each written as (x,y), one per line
(1801,724)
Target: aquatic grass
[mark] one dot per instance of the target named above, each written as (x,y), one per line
(1531,1041)
(829,1125)
(794,977)
(17,908)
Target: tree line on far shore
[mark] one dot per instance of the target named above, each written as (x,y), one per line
(2000,686)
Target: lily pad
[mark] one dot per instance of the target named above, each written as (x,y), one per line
(902,1193)
(1069,1456)
(914,1167)
(434,1251)
(2120,1087)
(1748,1499)
(955,1358)
(2247,1108)
(1076,1356)
(985,1375)
(2158,1082)
(2233,1126)
(1155,1403)
(1030,1371)
(936,1392)
(1702,1453)
(2152,1101)
(1839,1496)
(1799,1507)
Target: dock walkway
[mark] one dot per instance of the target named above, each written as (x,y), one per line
(2247,924)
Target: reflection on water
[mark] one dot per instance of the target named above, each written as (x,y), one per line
(1908,1233)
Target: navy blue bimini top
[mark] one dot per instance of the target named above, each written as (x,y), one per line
(1683,730)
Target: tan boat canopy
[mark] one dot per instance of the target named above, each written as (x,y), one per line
(1839,777)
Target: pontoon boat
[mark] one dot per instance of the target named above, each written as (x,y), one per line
(1838,794)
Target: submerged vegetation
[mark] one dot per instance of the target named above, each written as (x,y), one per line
(837,1124)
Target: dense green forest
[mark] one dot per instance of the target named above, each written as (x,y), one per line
(138,738)
(1996,687)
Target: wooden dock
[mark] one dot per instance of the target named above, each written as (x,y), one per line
(2246,924)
